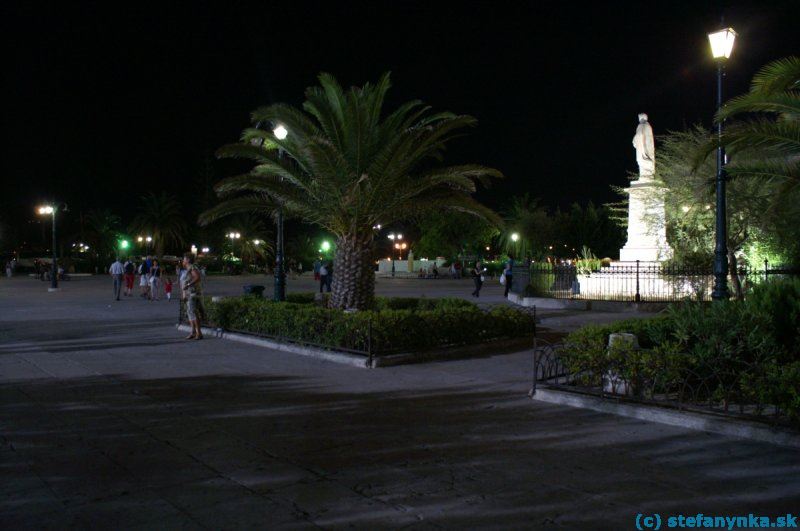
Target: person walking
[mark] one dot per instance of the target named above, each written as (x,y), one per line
(130,270)
(193,295)
(477,277)
(155,280)
(508,272)
(9,269)
(116,271)
(323,277)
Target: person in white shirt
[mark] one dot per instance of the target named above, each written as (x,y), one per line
(116,271)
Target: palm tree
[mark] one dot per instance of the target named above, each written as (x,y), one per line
(767,146)
(255,245)
(160,217)
(348,167)
(102,232)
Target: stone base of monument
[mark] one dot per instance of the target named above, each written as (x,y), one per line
(645,254)
(623,280)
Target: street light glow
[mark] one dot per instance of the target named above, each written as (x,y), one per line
(205,249)
(47,209)
(514,237)
(123,244)
(326,246)
(149,239)
(280,132)
(722,43)
(391,236)
(257,242)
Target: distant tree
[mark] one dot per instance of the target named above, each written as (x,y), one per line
(453,234)
(101,232)
(588,226)
(161,217)
(255,245)
(531,221)
(348,167)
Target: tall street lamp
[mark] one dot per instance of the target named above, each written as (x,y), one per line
(392,236)
(721,47)
(43,211)
(280,133)
(233,236)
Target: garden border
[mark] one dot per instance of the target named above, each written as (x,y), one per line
(489,348)
(709,422)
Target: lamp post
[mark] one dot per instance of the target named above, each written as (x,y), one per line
(721,47)
(233,236)
(392,236)
(280,133)
(44,210)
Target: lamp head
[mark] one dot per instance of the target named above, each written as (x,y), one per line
(721,42)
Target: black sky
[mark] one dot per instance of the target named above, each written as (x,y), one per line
(103,105)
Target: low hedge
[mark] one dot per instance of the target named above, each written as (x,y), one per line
(749,349)
(397,325)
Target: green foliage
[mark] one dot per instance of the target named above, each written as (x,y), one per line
(453,234)
(349,164)
(566,231)
(160,216)
(402,325)
(300,298)
(751,346)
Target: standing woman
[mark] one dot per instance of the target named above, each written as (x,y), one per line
(477,276)
(155,280)
(193,294)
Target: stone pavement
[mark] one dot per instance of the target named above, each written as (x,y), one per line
(109,420)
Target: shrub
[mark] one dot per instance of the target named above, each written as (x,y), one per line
(745,352)
(301,298)
(416,325)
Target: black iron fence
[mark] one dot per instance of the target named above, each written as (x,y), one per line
(718,386)
(635,282)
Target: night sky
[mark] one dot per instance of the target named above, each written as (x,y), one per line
(102,105)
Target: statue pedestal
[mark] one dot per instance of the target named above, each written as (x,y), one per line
(647,231)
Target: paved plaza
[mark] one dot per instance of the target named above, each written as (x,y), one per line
(110,420)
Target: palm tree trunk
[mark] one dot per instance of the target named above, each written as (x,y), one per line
(353,273)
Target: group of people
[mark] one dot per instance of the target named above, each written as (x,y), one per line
(152,278)
(189,278)
(478,276)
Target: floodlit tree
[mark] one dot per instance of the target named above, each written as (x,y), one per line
(348,166)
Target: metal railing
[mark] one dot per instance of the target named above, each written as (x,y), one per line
(634,282)
(715,386)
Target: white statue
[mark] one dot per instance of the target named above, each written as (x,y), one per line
(645,147)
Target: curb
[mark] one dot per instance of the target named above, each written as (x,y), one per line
(684,419)
(503,346)
(337,357)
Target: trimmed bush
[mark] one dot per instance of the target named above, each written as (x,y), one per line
(401,324)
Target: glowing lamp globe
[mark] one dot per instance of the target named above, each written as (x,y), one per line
(722,43)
